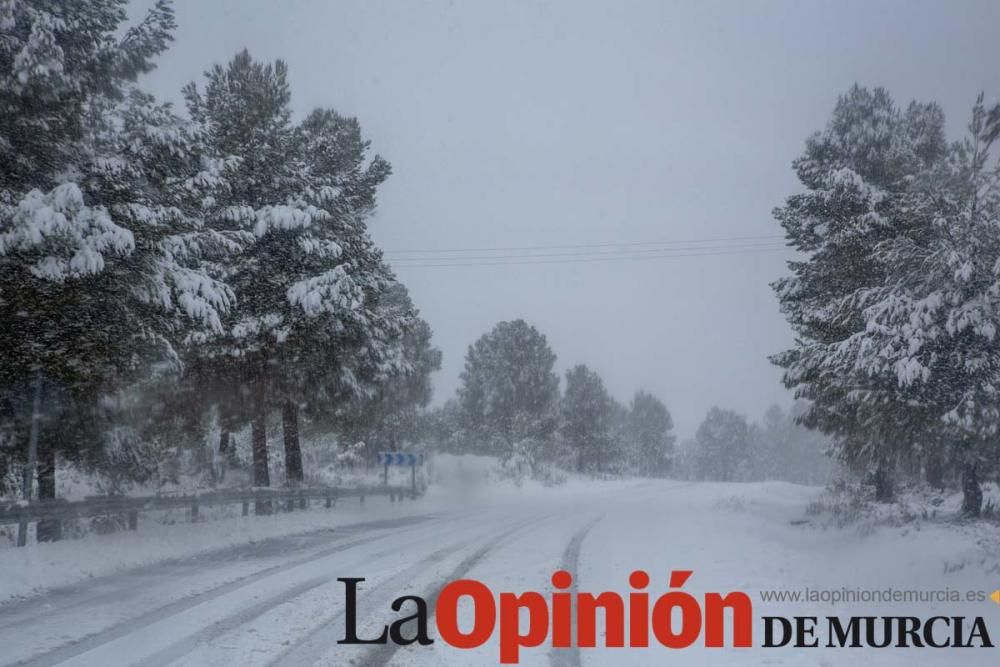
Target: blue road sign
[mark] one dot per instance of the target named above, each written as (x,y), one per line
(401,459)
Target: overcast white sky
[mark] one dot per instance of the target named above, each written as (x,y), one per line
(570,122)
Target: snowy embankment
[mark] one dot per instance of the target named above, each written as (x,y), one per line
(280,602)
(750,537)
(736,536)
(465,481)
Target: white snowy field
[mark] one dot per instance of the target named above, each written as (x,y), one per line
(277,601)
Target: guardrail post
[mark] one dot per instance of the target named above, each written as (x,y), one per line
(194,511)
(328,503)
(22,533)
(246,508)
(133,520)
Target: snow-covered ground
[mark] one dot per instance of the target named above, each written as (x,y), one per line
(260,601)
(472,481)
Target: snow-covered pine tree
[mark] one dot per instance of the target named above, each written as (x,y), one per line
(933,326)
(785,450)
(649,434)
(441,428)
(857,174)
(388,415)
(309,284)
(243,118)
(102,244)
(586,414)
(352,319)
(722,446)
(509,393)
(623,449)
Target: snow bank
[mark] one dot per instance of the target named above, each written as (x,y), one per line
(33,569)
(465,482)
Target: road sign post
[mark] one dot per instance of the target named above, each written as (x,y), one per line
(410,459)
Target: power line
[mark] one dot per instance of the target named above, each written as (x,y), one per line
(727,239)
(591,253)
(583,260)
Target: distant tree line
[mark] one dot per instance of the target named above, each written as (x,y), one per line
(895,297)
(510,405)
(728,447)
(161,277)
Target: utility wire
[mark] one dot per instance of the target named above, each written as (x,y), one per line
(582,260)
(621,244)
(591,253)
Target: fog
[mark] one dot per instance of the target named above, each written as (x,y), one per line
(570,123)
(267,400)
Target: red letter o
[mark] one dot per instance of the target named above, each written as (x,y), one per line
(446,612)
(690,620)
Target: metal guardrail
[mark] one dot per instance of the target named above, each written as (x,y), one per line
(265,501)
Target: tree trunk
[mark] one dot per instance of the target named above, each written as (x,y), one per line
(49,530)
(224,443)
(934,470)
(258,429)
(972,492)
(884,491)
(225,456)
(293,452)
(261,476)
(31,465)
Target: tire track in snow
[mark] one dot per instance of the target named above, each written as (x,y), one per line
(326,632)
(310,649)
(248,614)
(67,651)
(24,613)
(570,657)
(381,656)
(219,627)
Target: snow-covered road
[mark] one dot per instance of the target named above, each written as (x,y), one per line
(278,602)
